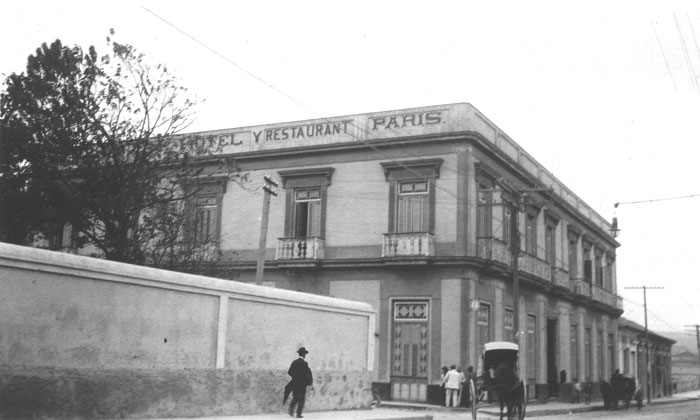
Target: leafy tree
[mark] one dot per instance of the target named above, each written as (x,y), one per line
(88,140)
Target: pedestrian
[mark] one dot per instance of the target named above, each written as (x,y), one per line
(470,376)
(462,387)
(587,391)
(639,397)
(451,383)
(301,378)
(577,391)
(443,373)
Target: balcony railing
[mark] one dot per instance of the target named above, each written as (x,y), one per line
(300,248)
(419,244)
(493,249)
(618,302)
(581,287)
(535,266)
(561,278)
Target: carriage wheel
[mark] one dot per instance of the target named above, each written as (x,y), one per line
(516,409)
(523,403)
(472,398)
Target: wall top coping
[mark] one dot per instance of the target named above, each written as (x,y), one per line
(28,258)
(385,126)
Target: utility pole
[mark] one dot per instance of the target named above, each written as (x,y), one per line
(516,205)
(268,191)
(697,340)
(646,340)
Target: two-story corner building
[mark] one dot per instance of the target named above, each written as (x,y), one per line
(408,211)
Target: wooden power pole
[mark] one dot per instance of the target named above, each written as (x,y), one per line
(268,191)
(646,341)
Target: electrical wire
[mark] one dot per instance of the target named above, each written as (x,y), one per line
(656,199)
(359,128)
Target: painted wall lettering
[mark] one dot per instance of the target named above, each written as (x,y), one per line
(405,120)
(302,131)
(198,145)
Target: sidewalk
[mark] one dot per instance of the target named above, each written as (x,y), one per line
(537,409)
(373,414)
(392,410)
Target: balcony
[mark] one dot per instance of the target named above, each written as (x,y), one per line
(618,302)
(535,266)
(493,249)
(582,287)
(606,297)
(419,244)
(300,248)
(561,278)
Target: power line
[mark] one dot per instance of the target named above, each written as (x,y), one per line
(663,54)
(244,70)
(655,200)
(686,55)
(367,133)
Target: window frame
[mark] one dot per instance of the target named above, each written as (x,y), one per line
(213,186)
(300,179)
(530,242)
(396,172)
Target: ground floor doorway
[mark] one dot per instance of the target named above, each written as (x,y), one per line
(409,350)
(552,370)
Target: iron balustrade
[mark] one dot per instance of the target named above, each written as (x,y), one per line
(535,266)
(582,287)
(493,249)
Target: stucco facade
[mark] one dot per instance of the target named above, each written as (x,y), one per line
(410,212)
(635,343)
(86,338)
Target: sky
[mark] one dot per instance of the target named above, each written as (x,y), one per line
(603,94)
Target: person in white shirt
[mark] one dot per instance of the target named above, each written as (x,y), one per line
(451,381)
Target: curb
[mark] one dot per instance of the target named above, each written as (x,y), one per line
(542,412)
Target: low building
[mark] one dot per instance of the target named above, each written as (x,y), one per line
(635,344)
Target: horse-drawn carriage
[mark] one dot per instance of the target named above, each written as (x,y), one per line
(620,388)
(498,377)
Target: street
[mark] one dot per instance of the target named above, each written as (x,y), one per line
(678,411)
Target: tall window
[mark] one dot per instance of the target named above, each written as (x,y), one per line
(587,263)
(412,194)
(483,322)
(508,326)
(589,353)
(599,277)
(575,372)
(573,256)
(413,208)
(549,242)
(531,233)
(205,219)
(484,211)
(306,193)
(531,347)
(610,262)
(307,212)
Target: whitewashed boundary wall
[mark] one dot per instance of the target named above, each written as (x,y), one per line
(88,338)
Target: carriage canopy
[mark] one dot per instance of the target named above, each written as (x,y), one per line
(500,351)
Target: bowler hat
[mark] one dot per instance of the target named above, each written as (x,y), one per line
(302,350)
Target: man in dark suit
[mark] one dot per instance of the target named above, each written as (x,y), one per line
(301,378)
